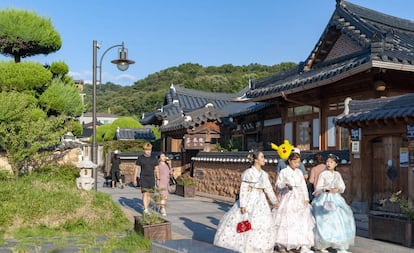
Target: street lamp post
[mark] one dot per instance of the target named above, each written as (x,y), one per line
(122,63)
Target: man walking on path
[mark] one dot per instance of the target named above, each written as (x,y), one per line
(146,164)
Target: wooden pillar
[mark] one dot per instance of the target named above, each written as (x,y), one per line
(323,145)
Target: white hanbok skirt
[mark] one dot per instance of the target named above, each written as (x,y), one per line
(294,221)
(261,238)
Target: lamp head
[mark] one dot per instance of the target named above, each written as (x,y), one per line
(123,63)
(380,85)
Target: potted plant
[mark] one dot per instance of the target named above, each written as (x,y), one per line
(152,225)
(186,186)
(396,226)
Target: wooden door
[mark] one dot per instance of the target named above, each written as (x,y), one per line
(379,172)
(386,179)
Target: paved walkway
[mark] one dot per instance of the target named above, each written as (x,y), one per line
(197,218)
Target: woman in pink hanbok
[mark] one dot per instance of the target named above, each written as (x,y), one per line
(293,219)
(253,206)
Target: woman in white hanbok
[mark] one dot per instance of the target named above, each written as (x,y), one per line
(253,206)
(294,222)
(335,224)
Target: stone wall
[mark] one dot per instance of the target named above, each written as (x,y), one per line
(69,156)
(4,163)
(127,169)
(224,179)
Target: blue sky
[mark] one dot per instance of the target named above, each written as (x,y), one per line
(163,33)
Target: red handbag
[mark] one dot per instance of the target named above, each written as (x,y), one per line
(243,226)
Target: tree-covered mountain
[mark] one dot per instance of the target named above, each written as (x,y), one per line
(148,94)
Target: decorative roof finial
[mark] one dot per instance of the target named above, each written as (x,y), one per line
(346,104)
(172,87)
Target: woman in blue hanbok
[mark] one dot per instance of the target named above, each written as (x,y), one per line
(253,206)
(335,224)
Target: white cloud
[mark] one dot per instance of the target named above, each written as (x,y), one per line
(125,79)
(86,76)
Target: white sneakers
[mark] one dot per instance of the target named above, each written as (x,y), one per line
(146,211)
(163,212)
(305,249)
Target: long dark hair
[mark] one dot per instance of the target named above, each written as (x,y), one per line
(159,156)
(333,157)
(293,156)
(253,156)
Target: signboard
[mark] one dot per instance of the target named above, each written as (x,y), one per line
(195,141)
(355,147)
(404,157)
(410,131)
(411,153)
(356,134)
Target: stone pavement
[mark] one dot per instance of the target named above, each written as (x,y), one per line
(197,219)
(194,222)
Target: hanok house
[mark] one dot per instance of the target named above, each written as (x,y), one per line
(143,133)
(382,133)
(361,54)
(191,120)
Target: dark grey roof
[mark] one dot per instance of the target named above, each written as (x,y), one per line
(179,101)
(134,134)
(269,86)
(380,108)
(381,38)
(192,119)
(190,100)
(100,115)
(240,109)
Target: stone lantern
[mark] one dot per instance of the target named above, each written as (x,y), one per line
(86,180)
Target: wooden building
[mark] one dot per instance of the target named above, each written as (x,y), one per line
(382,153)
(191,120)
(361,54)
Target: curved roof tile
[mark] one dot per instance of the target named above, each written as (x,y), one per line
(376,109)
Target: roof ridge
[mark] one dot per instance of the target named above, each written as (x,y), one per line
(204,94)
(378,17)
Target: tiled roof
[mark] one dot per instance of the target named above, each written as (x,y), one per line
(240,109)
(191,119)
(179,101)
(190,100)
(271,157)
(381,37)
(100,115)
(380,108)
(134,134)
(303,79)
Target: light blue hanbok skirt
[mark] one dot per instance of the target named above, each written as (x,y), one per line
(334,228)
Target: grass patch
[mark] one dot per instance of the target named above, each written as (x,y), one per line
(46,205)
